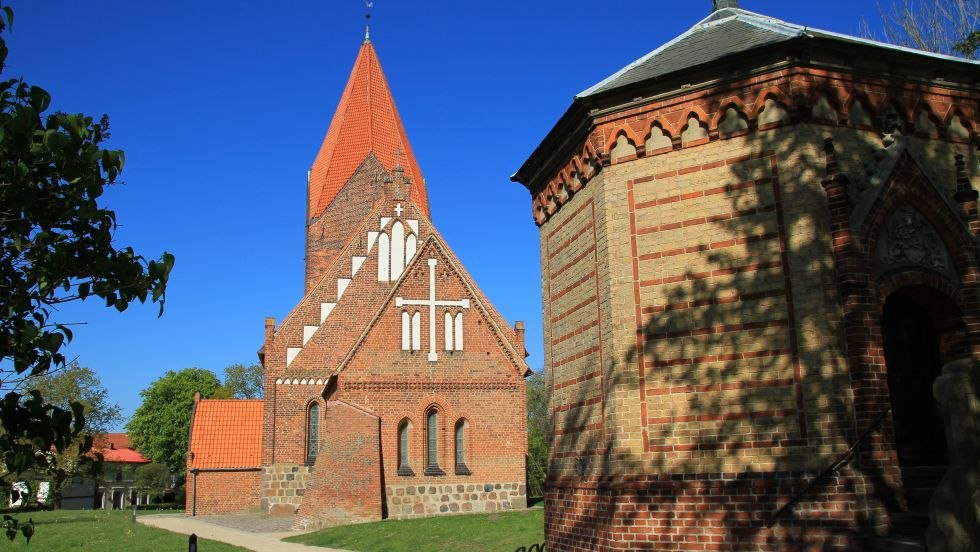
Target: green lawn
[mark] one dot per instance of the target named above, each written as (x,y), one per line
(75,530)
(499,532)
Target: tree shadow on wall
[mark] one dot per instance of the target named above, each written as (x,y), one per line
(748,396)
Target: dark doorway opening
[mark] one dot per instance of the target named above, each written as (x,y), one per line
(912,323)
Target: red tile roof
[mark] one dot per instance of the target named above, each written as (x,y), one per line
(115,447)
(366,120)
(226,433)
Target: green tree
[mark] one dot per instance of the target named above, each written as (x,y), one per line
(61,388)
(537,434)
(244,382)
(950,27)
(75,383)
(159,427)
(153,479)
(55,247)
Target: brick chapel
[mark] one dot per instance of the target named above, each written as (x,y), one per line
(758,251)
(394,388)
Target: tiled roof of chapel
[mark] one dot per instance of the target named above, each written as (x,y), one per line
(366,121)
(725,32)
(226,433)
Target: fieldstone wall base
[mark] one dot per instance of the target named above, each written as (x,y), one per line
(412,501)
(283,487)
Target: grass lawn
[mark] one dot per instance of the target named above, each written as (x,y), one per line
(500,532)
(74,530)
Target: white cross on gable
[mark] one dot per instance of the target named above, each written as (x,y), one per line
(432,303)
(398,210)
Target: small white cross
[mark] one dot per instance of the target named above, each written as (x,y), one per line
(432,303)
(398,210)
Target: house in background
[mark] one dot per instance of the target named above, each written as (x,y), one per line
(116,490)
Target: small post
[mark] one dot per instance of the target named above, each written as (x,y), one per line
(192,543)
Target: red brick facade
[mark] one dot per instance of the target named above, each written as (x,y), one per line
(713,286)
(393,388)
(213,492)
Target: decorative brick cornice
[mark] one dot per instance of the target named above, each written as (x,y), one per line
(798,95)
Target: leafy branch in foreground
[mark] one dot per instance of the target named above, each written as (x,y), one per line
(55,247)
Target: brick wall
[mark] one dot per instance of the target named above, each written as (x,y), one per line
(695,349)
(223,492)
(345,485)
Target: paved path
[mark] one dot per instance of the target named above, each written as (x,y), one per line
(254,532)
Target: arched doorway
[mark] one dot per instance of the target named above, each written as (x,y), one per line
(918,326)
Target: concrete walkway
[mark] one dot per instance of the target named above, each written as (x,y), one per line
(222,529)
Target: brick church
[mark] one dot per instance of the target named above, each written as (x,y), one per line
(394,388)
(758,251)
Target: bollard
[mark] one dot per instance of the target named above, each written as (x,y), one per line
(192,543)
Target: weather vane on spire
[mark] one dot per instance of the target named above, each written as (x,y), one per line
(368,4)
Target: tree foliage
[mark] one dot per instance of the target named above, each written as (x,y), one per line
(244,382)
(537,434)
(62,388)
(76,383)
(950,27)
(159,427)
(55,247)
(153,479)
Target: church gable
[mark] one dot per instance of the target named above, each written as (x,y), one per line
(437,320)
(318,334)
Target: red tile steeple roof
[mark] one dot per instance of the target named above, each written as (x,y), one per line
(366,121)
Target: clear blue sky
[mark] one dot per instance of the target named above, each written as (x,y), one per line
(222,106)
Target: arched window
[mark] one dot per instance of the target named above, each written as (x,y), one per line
(432,443)
(411,331)
(312,432)
(453,326)
(404,428)
(461,427)
(384,258)
(397,250)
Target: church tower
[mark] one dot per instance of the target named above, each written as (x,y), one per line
(365,136)
(393,388)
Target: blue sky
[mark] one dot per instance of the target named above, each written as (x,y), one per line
(222,106)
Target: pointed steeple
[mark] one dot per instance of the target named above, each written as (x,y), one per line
(366,121)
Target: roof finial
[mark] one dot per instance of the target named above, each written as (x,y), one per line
(722,4)
(368,4)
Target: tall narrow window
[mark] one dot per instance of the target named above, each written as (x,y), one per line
(397,250)
(312,432)
(416,331)
(432,443)
(406,331)
(403,430)
(461,468)
(384,258)
(458,332)
(449,331)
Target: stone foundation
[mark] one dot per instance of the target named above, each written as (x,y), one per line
(283,487)
(411,501)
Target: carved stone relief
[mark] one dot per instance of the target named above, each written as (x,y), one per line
(907,239)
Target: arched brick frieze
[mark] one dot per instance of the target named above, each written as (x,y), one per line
(861,115)
(770,92)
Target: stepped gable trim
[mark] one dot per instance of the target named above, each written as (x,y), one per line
(299,370)
(480,302)
(331,273)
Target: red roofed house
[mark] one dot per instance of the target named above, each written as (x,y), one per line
(116,492)
(394,388)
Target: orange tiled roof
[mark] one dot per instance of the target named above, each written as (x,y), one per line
(115,447)
(226,433)
(366,120)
